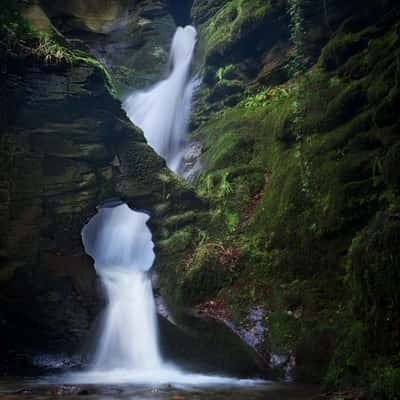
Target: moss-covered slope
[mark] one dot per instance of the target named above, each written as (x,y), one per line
(302,177)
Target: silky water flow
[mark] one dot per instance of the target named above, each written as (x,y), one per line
(120,242)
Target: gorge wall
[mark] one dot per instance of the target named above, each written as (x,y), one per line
(66,146)
(297,122)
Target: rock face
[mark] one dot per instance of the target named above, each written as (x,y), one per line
(66,145)
(131,38)
(53,169)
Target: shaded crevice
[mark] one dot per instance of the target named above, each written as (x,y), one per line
(181,11)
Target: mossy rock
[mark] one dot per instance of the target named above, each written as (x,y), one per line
(391,167)
(387,112)
(340,49)
(342,108)
(374,272)
(225,88)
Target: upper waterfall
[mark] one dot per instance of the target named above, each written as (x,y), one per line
(163,111)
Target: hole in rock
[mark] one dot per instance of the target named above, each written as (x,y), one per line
(120,242)
(118,237)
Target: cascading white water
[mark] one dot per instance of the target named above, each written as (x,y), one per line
(163,111)
(121,245)
(120,242)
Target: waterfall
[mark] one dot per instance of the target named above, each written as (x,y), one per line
(163,111)
(118,238)
(120,242)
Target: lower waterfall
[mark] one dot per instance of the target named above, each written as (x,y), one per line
(127,351)
(120,243)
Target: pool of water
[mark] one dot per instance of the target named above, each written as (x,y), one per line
(41,389)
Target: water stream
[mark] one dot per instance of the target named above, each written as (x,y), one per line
(120,242)
(163,111)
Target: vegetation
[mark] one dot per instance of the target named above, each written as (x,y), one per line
(21,39)
(302,181)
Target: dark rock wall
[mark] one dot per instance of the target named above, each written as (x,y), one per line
(66,145)
(55,168)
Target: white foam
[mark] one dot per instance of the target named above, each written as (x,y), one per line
(163,111)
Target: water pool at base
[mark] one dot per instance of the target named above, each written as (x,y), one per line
(41,389)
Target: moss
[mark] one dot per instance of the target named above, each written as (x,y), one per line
(382,85)
(349,358)
(382,46)
(179,240)
(176,221)
(391,167)
(282,331)
(387,113)
(373,273)
(230,22)
(225,88)
(302,179)
(225,72)
(204,277)
(384,382)
(24,40)
(342,108)
(340,49)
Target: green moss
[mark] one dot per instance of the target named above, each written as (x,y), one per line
(384,383)
(296,175)
(342,108)
(229,22)
(340,49)
(283,329)
(350,356)
(24,40)
(225,72)
(387,112)
(180,239)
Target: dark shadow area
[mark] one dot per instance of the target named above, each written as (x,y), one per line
(181,11)
(208,346)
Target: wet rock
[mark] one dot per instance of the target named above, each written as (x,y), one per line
(132,39)
(63,133)
(65,390)
(192,160)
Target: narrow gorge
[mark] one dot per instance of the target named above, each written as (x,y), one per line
(200,199)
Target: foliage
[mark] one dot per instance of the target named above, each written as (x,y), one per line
(225,72)
(229,23)
(265,97)
(51,52)
(303,180)
(299,61)
(384,383)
